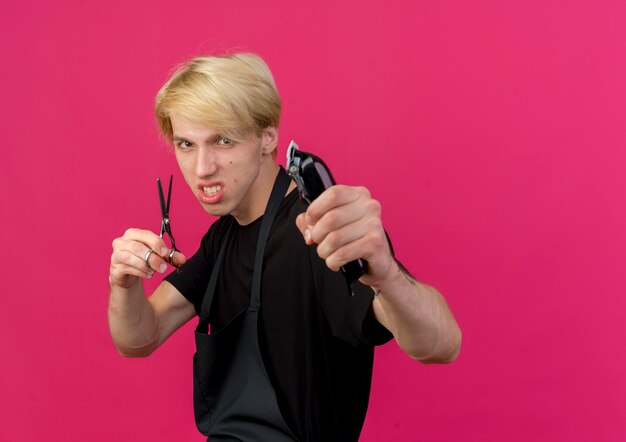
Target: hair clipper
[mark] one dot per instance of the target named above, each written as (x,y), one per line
(313,177)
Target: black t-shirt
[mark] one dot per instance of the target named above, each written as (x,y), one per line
(316,340)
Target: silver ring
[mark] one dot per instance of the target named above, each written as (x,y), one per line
(146,258)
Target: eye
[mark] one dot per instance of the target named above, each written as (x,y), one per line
(223,141)
(184,145)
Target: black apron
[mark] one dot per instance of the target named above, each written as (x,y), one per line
(233,397)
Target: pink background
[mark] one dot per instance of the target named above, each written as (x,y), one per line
(491,131)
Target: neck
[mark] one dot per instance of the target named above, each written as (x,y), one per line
(260,194)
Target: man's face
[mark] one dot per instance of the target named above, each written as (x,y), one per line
(227,177)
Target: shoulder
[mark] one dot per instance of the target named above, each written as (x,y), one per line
(292,205)
(284,227)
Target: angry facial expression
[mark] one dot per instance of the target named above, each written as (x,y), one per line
(227,176)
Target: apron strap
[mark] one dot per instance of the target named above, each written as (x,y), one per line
(210,290)
(278,193)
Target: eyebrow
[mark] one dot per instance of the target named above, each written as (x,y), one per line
(212,138)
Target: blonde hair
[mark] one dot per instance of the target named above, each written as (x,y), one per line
(234,94)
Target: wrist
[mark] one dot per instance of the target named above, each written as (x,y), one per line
(394,277)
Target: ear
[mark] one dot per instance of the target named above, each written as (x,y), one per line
(269,140)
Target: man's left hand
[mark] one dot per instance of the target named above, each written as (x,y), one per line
(345,222)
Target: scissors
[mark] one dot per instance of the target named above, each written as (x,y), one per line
(165,220)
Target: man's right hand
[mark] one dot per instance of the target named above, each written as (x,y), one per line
(139,325)
(128,260)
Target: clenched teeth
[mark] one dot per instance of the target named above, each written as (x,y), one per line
(211,190)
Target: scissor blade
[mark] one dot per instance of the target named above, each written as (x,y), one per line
(169,195)
(162,199)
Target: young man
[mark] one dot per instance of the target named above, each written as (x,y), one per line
(283,351)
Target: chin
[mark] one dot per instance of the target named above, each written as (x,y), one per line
(215,211)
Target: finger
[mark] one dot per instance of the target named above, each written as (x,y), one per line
(332,197)
(363,248)
(157,260)
(134,271)
(122,274)
(148,238)
(178,259)
(137,256)
(340,238)
(304,228)
(130,260)
(339,217)
(341,256)
(301,223)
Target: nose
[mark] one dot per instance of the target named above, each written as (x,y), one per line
(206,162)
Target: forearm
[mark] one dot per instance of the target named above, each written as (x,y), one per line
(132,321)
(419,318)
(345,224)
